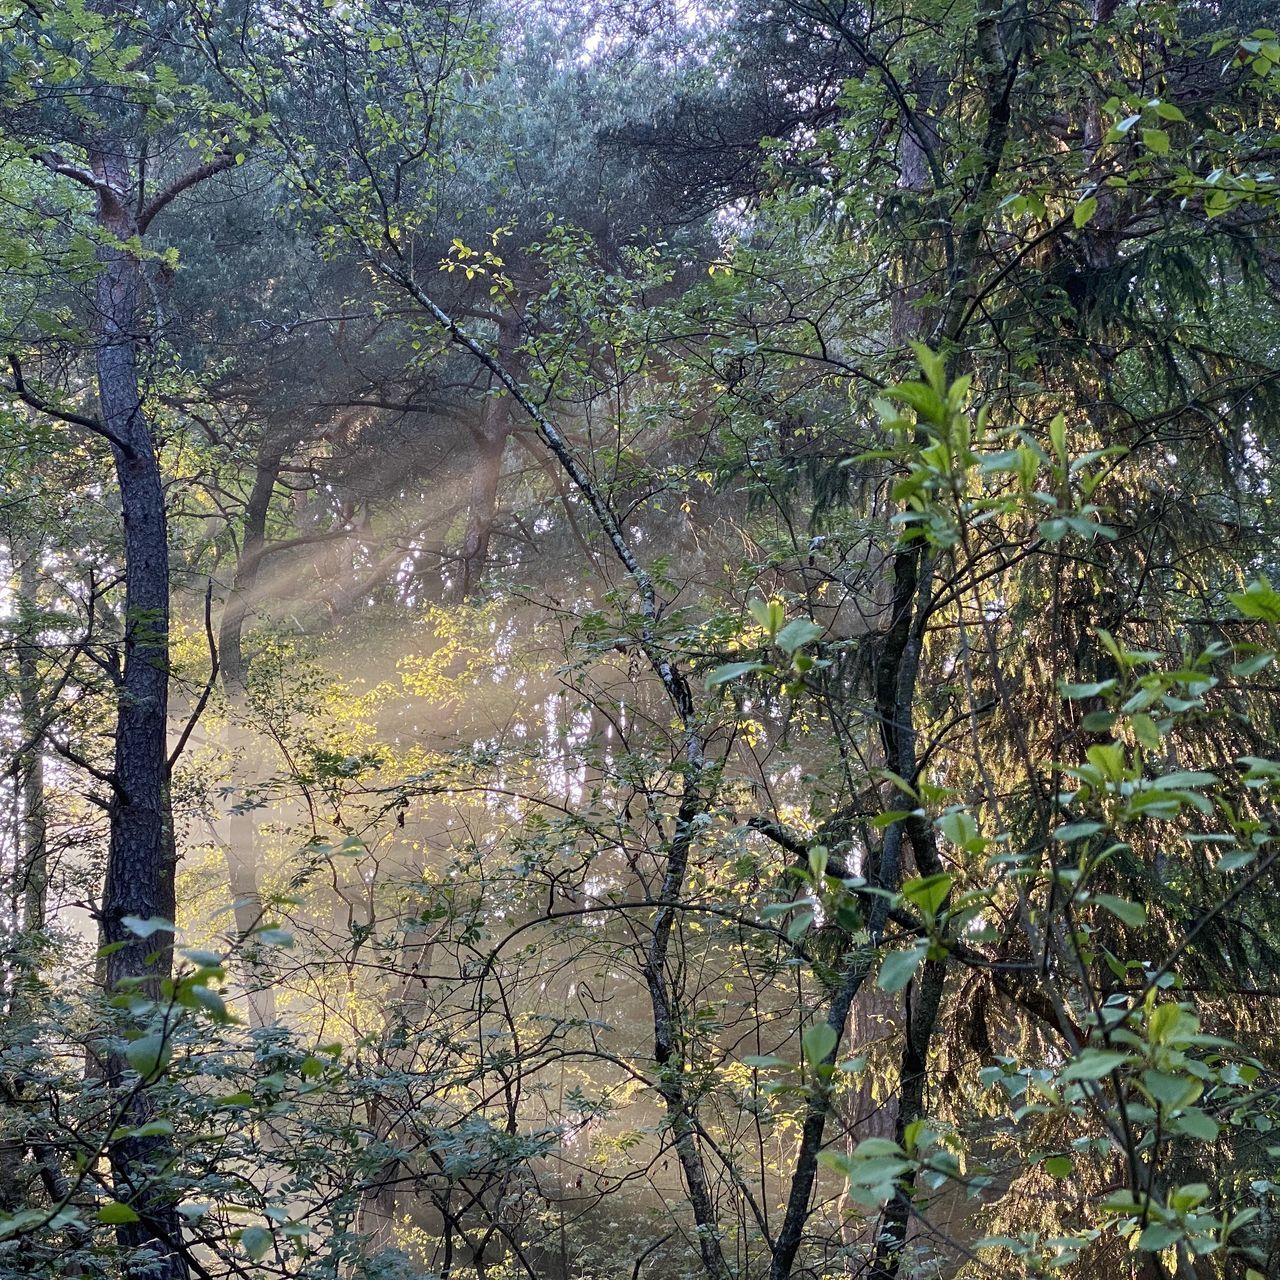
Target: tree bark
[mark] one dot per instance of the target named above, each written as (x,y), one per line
(141,858)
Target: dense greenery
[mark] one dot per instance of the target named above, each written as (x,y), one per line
(639,642)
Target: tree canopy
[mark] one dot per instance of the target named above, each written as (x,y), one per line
(638,641)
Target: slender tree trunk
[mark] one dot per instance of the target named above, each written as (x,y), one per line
(141,858)
(241,848)
(491,438)
(33,882)
(668,1051)
(31,867)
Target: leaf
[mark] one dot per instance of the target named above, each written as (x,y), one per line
(1086,690)
(1094,1064)
(928,892)
(1196,1124)
(1077,831)
(213,1002)
(1184,778)
(1134,914)
(1169,1091)
(116,1214)
(819,1041)
(797,633)
(759,1061)
(154,1129)
(1084,211)
(899,967)
(732,671)
(1258,601)
(145,928)
(1059,1166)
(870,1148)
(1156,141)
(273,936)
(23,1220)
(148,1055)
(1235,860)
(960,828)
(1157,1236)
(255,1241)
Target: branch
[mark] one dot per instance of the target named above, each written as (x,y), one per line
(673,681)
(41,405)
(67,753)
(203,700)
(105,192)
(193,178)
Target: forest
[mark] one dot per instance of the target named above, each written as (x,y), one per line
(637,640)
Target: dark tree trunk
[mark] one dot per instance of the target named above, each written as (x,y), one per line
(141,859)
(231,661)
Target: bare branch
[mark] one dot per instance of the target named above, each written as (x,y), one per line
(105,192)
(203,701)
(192,178)
(41,405)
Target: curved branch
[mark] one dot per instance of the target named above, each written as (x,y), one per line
(193,178)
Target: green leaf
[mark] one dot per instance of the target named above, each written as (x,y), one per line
(871,1148)
(1086,690)
(1197,1124)
(213,1002)
(1156,141)
(148,1055)
(1169,1091)
(819,1041)
(1084,211)
(1159,1235)
(797,633)
(732,671)
(1134,914)
(1059,1166)
(899,967)
(1258,601)
(761,1061)
(256,1241)
(1235,860)
(1094,1064)
(116,1214)
(1077,831)
(273,936)
(928,892)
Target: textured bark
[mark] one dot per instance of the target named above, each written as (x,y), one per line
(31,873)
(141,858)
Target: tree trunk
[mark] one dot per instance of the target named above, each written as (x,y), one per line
(491,445)
(241,849)
(33,881)
(141,858)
